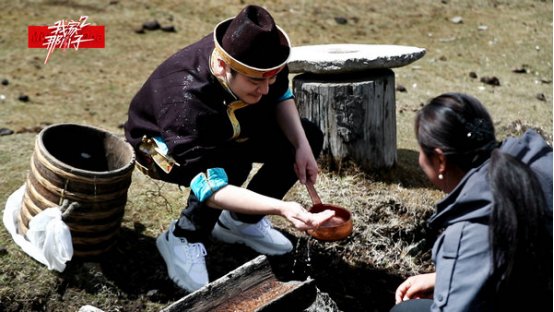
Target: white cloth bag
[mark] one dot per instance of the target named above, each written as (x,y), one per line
(48,237)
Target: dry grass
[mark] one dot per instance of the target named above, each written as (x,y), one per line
(95,86)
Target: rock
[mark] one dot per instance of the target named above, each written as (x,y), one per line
(347,58)
(168,29)
(519,70)
(152,25)
(5,131)
(541,97)
(23,98)
(472,75)
(3,251)
(401,88)
(5,82)
(457,20)
(341,20)
(491,80)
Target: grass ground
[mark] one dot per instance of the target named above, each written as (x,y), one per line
(95,86)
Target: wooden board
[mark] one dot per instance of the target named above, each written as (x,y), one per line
(251,287)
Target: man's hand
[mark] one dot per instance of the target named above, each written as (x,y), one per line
(242,200)
(305,165)
(303,220)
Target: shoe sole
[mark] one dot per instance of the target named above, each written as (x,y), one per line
(229,237)
(161,243)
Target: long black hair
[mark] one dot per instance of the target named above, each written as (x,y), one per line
(521,245)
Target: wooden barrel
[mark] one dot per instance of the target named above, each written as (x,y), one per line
(86,172)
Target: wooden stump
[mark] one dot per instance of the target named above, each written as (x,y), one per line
(355,111)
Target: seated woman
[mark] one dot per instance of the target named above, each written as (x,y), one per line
(495,249)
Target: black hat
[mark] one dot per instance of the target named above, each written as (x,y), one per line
(251,43)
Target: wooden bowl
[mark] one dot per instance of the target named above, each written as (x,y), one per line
(337,228)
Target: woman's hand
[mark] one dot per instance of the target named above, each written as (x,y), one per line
(416,287)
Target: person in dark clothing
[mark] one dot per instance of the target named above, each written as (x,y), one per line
(495,249)
(203,118)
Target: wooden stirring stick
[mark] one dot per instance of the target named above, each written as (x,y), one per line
(313,193)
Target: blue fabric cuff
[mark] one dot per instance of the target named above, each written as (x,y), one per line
(204,186)
(286,96)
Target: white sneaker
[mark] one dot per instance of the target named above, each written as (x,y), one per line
(185,262)
(260,236)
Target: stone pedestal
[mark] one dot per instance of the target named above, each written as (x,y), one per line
(349,91)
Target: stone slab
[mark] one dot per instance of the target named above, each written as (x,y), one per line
(347,58)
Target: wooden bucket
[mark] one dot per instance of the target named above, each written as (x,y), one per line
(86,172)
